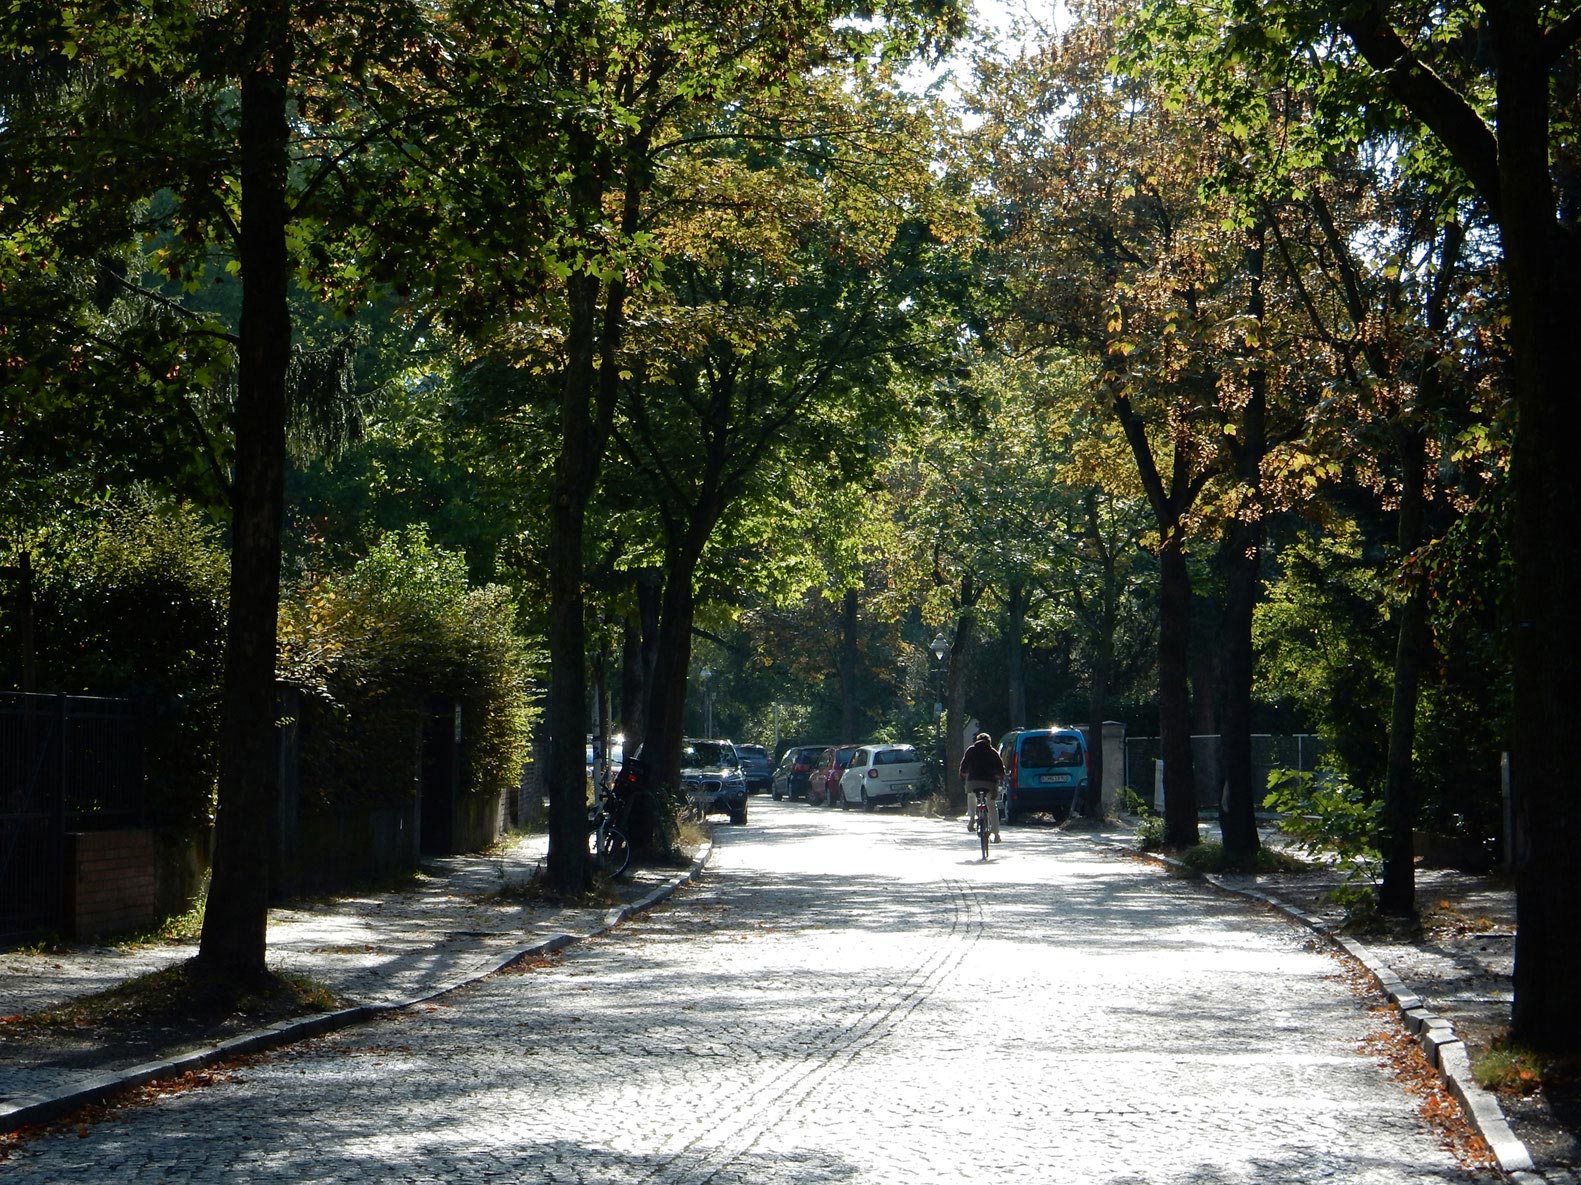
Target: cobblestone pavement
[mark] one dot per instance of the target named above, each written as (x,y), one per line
(844,998)
(369,947)
(457,919)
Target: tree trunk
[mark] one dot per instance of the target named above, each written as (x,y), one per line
(955,704)
(602,692)
(1098,690)
(1541,260)
(1397,893)
(1174,696)
(1237,808)
(850,725)
(638,652)
(235,918)
(1101,627)
(27,642)
(587,402)
(1169,504)
(576,470)
(667,706)
(1510,165)
(1243,582)
(1015,670)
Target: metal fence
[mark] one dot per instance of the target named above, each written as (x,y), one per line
(67,763)
(1270,751)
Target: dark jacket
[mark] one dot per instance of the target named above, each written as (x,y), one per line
(982,763)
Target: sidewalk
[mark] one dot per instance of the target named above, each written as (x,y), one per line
(1451,981)
(376,951)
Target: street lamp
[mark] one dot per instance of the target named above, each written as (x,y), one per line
(708,703)
(940,649)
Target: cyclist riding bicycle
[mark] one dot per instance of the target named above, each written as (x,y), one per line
(982,769)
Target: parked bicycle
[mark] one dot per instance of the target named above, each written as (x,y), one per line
(611,815)
(611,847)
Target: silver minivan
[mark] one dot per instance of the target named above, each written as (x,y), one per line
(1045,770)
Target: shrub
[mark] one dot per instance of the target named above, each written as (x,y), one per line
(374,647)
(1328,816)
(130,600)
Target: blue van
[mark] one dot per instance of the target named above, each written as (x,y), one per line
(1045,770)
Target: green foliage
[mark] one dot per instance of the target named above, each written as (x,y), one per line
(1209,857)
(1511,1069)
(130,601)
(372,648)
(1323,637)
(1329,816)
(1150,833)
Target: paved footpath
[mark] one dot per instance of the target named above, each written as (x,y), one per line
(843,998)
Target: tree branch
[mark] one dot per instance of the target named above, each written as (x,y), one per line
(1428,98)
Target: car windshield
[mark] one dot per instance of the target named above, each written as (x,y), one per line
(708,753)
(894,756)
(1042,752)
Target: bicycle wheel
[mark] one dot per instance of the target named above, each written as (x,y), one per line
(982,830)
(612,850)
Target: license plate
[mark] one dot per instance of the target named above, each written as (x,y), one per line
(1054,779)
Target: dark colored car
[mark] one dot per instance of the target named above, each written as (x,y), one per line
(823,784)
(1045,770)
(790,776)
(756,767)
(711,777)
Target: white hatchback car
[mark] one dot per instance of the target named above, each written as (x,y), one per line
(881,773)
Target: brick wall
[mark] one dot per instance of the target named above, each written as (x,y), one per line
(110,881)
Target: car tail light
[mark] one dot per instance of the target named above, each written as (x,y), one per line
(1015,770)
(872,773)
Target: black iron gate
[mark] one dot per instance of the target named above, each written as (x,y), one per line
(66,762)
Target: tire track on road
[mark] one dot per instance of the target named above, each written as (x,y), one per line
(731,1138)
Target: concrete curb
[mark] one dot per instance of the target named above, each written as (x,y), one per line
(27,1111)
(1445,1052)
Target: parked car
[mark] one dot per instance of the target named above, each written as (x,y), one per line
(824,780)
(790,776)
(1045,770)
(881,773)
(711,776)
(757,767)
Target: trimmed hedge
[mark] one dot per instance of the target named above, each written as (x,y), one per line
(370,648)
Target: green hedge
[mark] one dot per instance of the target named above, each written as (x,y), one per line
(130,600)
(371,647)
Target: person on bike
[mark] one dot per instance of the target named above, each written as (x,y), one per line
(981,769)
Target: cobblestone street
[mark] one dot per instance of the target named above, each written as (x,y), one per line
(844,998)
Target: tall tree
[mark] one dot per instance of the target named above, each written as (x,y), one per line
(213,162)
(1111,251)
(793,298)
(1493,88)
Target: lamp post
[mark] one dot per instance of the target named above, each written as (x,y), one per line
(708,703)
(940,649)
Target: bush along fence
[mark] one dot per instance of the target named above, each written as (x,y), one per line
(79,855)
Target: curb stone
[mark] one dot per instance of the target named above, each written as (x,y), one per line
(1445,1052)
(26,1111)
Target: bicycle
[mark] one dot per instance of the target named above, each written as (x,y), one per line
(611,848)
(611,812)
(981,814)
